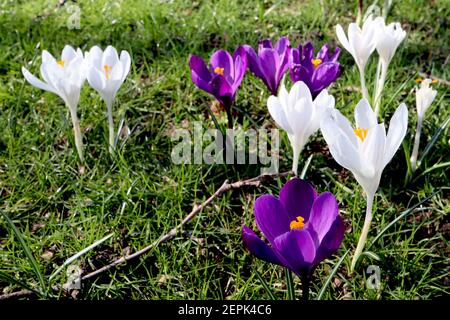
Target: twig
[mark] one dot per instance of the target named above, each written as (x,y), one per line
(226,186)
(424,75)
(17,294)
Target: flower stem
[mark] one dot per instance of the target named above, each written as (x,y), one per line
(111,128)
(380,87)
(77,133)
(230,118)
(365,93)
(360,12)
(416,144)
(364,232)
(305,287)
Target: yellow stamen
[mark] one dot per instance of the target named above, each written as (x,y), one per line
(419,79)
(316,62)
(107,68)
(361,133)
(434,81)
(219,71)
(297,224)
(61,63)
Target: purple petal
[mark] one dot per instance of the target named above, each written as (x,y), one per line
(298,197)
(271,217)
(324,212)
(298,250)
(264,44)
(270,63)
(240,66)
(308,53)
(335,55)
(332,240)
(199,73)
(300,73)
(253,61)
(282,45)
(257,247)
(323,53)
(324,75)
(222,90)
(222,59)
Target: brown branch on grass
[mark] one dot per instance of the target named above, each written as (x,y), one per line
(424,75)
(226,186)
(17,294)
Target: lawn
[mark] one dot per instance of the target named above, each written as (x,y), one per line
(53,206)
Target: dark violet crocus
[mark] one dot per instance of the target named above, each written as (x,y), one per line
(223,77)
(270,64)
(302,227)
(317,72)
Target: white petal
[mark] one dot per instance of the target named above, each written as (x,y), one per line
(125,59)
(68,53)
(343,38)
(36,82)
(373,150)
(110,56)
(341,148)
(94,56)
(47,57)
(396,133)
(364,115)
(298,91)
(346,127)
(277,113)
(299,117)
(95,79)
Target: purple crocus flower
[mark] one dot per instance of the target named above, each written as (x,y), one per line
(224,76)
(270,63)
(302,227)
(317,72)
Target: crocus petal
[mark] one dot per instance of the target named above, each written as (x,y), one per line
(125,60)
(68,54)
(199,73)
(222,90)
(364,115)
(372,150)
(277,112)
(269,66)
(271,217)
(253,61)
(298,197)
(36,82)
(257,247)
(324,75)
(222,59)
(324,212)
(396,132)
(343,39)
(331,241)
(341,148)
(110,56)
(96,79)
(298,249)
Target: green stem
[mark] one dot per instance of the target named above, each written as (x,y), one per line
(289,284)
(364,232)
(77,133)
(380,87)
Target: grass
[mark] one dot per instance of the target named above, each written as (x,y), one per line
(57,207)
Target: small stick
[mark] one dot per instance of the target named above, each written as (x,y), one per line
(226,186)
(424,75)
(17,294)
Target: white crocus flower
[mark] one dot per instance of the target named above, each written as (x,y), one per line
(106,73)
(65,78)
(299,115)
(360,43)
(389,38)
(364,150)
(424,98)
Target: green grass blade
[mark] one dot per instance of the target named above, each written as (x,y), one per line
(289,284)
(333,272)
(26,249)
(434,139)
(265,285)
(11,280)
(402,215)
(79,254)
